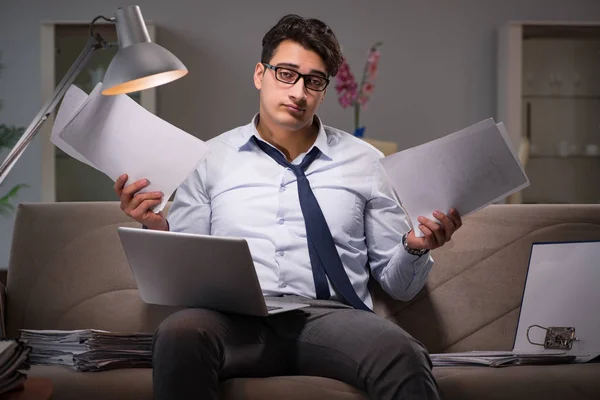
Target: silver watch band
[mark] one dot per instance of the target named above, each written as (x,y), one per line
(409,250)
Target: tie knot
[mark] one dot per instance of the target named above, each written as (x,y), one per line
(276,155)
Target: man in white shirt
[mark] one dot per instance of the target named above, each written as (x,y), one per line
(291,185)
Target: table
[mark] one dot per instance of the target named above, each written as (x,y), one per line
(35,389)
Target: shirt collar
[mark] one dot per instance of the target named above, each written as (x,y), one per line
(250,130)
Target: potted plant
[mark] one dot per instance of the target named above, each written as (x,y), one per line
(353,94)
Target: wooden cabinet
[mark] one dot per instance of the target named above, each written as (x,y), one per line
(549,99)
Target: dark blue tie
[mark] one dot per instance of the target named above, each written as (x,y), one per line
(323,254)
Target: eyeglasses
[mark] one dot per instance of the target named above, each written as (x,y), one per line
(286,75)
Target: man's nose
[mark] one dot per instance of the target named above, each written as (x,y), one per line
(298,91)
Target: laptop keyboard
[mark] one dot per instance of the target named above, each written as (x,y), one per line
(273,308)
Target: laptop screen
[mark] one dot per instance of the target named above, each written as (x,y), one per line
(561,291)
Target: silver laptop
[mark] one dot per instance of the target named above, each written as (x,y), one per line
(561,291)
(197,271)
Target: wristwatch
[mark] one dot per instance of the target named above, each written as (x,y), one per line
(409,250)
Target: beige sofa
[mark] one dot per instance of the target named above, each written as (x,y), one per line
(67,271)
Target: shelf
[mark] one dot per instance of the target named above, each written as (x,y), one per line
(570,157)
(562,96)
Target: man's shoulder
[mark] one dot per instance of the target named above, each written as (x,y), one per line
(346,142)
(229,140)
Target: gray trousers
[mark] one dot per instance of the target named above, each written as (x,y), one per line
(196,348)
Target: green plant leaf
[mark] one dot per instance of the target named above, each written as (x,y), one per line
(9,135)
(5,201)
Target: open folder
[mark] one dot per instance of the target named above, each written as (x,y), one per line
(465,170)
(116,135)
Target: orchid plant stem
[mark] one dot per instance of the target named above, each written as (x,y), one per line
(356,115)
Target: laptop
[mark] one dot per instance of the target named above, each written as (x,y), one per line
(561,292)
(197,271)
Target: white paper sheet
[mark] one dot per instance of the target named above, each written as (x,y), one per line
(71,104)
(116,135)
(466,170)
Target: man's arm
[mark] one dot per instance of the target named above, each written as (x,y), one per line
(400,274)
(191,208)
(399,260)
(190,211)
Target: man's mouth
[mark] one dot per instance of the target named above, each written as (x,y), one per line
(294,108)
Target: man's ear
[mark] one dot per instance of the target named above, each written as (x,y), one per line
(259,73)
(323,97)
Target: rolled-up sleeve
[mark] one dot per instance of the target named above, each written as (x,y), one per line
(191,210)
(400,274)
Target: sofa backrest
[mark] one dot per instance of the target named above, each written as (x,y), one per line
(473,295)
(68,270)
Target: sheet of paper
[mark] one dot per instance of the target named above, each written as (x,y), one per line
(116,135)
(465,170)
(71,104)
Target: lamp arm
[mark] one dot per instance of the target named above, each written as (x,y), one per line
(94,43)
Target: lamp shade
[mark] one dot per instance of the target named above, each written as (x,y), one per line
(139,64)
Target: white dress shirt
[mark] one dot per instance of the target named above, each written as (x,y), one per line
(240,191)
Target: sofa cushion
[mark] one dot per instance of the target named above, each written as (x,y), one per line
(136,383)
(577,381)
(542,382)
(68,270)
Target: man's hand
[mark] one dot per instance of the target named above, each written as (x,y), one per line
(436,234)
(139,205)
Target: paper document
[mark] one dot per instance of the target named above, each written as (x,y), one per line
(499,358)
(116,135)
(13,359)
(89,349)
(466,170)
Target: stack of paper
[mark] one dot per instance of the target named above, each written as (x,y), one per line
(13,357)
(116,136)
(109,350)
(89,349)
(466,170)
(499,358)
(55,347)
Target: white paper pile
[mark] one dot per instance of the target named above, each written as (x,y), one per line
(110,350)
(13,357)
(89,349)
(499,358)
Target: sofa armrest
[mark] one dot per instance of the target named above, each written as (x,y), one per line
(2,311)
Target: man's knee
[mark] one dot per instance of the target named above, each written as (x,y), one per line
(401,348)
(187,329)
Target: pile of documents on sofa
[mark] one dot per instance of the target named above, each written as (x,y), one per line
(88,349)
(13,359)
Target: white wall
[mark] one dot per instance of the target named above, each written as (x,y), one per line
(437,70)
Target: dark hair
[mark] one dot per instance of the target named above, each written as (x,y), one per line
(312,34)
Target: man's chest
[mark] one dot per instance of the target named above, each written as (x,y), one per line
(255,193)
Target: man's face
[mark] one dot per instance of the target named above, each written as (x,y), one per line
(291,106)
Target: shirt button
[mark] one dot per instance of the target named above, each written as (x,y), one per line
(282,285)
(281,253)
(282,189)
(281,221)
